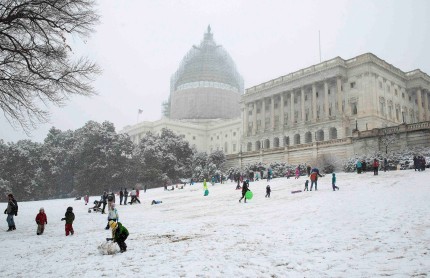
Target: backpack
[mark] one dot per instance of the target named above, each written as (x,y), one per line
(314,176)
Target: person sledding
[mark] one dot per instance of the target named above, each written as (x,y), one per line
(119,235)
(245,188)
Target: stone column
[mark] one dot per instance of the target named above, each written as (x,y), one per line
(245,120)
(272,112)
(426,106)
(303,112)
(339,96)
(254,118)
(420,106)
(292,107)
(263,114)
(314,102)
(281,113)
(326,103)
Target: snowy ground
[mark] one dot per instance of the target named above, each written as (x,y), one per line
(373,226)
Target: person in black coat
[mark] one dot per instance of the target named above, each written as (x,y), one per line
(121,195)
(11,210)
(104,201)
(245,188)
(268,190)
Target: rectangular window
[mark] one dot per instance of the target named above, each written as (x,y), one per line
(234,133)
(234,147)
(380,85)
(352,85)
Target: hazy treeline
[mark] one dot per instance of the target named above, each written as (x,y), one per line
(95,158)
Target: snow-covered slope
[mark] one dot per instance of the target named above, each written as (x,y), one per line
(373,226)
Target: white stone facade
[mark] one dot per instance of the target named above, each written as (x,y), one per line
(313,111)
(330,100)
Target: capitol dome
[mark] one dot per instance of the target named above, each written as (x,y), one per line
(207,76)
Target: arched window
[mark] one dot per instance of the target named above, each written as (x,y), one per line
(320,135)
(276,142)
(286,141)
(267,144)
(257,145)
(249,147)
(297,139)
(333,133)
(308,137)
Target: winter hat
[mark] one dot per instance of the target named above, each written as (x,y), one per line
(333,174)
(69,209)
(113,225)
(41,209)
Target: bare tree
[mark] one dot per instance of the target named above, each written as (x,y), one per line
(36,68)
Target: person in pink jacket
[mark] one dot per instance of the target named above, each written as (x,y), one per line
(297,172)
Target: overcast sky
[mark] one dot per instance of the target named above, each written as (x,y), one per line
(140,43)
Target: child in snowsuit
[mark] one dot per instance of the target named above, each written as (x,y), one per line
(41,220)
(11,210)
(70,217)
(268,190)
(306,185)
(245,188)
(119,235)
(112,215)
(333,182)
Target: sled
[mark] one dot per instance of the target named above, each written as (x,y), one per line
(248,195)
(295,191)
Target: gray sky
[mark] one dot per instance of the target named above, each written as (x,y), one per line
(140,43)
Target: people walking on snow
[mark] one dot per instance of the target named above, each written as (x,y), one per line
(119,235)
(297,172)
(11,211)
(112,215)
(41,220)
(69,217)
(268,190)
(314,178)
(375,166)
(125,196)
(245,188)
(104,201)
(358,165)
(121,196)
(385,164)
(306,185)
(333,182)
(86,199)
(308,170)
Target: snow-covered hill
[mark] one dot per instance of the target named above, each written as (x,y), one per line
(373,226)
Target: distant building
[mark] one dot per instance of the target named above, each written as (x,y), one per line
(328,108)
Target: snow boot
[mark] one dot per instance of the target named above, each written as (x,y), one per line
(10,229)
(13,227)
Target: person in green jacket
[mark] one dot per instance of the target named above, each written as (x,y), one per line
(69,217)
(119,235)
(333,182)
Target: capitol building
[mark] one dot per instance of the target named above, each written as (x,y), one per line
(337,107)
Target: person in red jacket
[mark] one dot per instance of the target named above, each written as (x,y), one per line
(375,166)
(41,220)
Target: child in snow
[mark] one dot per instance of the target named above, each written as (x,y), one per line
(306,185)
(86,199)
(245,188)
(119,235)
(41,220)
(112,215)
(268,190)
(70,217)
(154,202)
(297,172)
(333,182)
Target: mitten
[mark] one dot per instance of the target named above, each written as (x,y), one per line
(62,219)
